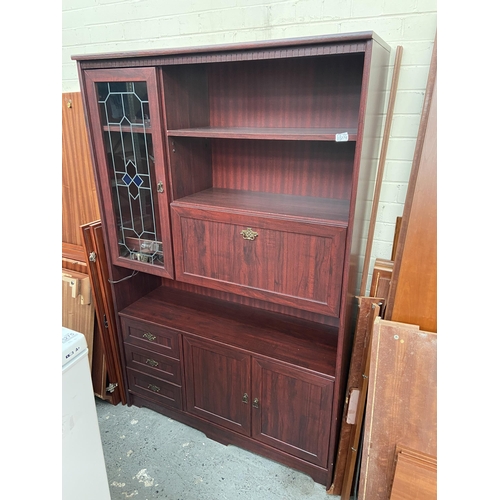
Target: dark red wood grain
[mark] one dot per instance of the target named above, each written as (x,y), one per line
(245,135)
(217,378)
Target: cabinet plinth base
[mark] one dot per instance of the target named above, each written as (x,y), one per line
(227,437)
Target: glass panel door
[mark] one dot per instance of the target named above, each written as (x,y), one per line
(131,169)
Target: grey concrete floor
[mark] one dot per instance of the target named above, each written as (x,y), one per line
(149,456)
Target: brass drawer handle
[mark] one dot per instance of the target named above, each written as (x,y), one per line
(152,362)
(154,388)
(245,398)
(255,403)
(249,234)
(149,336)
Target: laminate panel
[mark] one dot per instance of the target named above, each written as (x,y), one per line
(415,477)
(286,262)
(157,389)
(151,337)
(154,364)
(218,384)
(264,93)
(290,409)
(302,168)
(415,300)
(79,196)
(413,293)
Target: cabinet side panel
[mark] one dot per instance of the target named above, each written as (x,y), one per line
(365,166)
(190,165)
(186,96)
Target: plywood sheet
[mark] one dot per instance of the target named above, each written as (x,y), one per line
(402,402)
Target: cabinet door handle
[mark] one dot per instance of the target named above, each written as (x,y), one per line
(149,336)
(152,362)
(255,403)
(154,388)
(249,234)
(245,398)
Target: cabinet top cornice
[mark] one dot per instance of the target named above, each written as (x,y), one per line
(289,43)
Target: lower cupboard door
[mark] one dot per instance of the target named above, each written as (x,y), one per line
(218,384)
(292,410)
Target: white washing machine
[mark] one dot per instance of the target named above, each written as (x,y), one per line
(83,468)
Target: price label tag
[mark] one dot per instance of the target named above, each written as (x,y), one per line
(343,137)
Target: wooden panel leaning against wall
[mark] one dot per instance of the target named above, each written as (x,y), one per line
(80,207)
(79,197)
(413,292)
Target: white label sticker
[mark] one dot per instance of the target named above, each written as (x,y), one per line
(344,137)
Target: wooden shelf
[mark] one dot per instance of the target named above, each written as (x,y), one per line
(287,134)
(304,208)
(234,325)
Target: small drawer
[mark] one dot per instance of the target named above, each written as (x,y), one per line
(150,336)
(162,392)
(154,364)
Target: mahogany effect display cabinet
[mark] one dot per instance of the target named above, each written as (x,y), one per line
(233,183)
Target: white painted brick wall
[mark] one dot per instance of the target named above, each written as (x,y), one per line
(94,26)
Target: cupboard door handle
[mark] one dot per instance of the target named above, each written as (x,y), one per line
(255,403)
(152,362)
(149,336)
(245,398)
(249,234)
(159,187)
(154,388)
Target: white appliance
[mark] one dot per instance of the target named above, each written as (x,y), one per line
(83,469)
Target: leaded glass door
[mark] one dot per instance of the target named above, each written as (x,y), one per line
(125,121)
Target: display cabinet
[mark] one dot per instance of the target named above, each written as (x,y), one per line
(234,187)
(128,144)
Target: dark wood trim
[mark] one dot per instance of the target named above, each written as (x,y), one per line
(242,51)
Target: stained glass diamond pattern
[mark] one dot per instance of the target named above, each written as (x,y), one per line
(132,180)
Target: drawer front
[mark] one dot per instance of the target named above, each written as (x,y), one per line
(152,337)
(154,364)
(160,391)
(287,262)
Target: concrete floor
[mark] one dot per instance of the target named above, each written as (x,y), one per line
(149,456)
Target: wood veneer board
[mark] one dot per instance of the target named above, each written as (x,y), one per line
(357,369)
(413,294)
(415,477)
(401,407)
(79,197)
